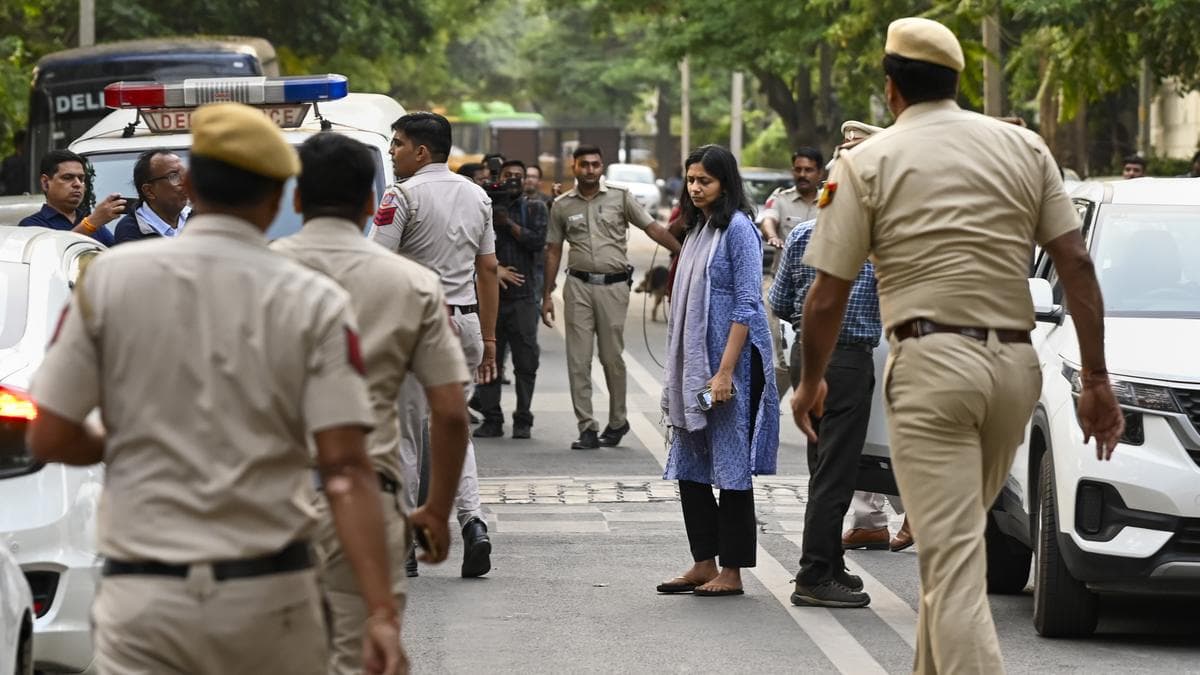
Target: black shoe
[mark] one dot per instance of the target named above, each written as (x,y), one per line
(851,581)
(587,440)
(520,431)
(612,436)
(477,549)
(489,430)
(410,565)
(831,593)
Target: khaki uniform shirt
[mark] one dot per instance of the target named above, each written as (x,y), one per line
(443,221)
(402,319)
(597,229)
(789,209)
(213,360)
(951,239)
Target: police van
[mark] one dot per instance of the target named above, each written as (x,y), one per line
(158,115)
(58,553)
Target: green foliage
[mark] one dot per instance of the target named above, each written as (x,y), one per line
(770,148)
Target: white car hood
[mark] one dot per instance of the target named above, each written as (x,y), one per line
(1155,349)
(636,188)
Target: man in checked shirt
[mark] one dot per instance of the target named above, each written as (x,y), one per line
(833,459)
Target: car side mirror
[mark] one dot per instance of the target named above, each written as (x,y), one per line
(660,183)
(1042,296)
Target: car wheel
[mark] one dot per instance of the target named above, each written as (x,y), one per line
(1062,605)
(24,664)
(1007,560)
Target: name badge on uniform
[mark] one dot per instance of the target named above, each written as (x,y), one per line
(577,216)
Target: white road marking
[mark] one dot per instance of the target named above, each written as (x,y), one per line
(845,652)
(894,611)
(841,648)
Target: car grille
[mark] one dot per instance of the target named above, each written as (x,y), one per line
(1187,537)
(1189,400)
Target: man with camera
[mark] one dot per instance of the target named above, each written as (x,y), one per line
(520,225)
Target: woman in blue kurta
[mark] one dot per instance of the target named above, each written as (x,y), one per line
(718,340)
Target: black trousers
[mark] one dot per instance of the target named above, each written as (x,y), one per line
(516,329)
(727,530)
(833,462)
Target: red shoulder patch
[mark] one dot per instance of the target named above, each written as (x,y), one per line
(62,318)
(827,195)
(354,352)
(384,214)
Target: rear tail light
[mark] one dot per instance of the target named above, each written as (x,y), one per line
(16,404)
(44,585)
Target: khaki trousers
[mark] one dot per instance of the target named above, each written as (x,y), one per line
(783,378)
(957,410)
(156,625)
(594,313)
(347,611)
(414,429)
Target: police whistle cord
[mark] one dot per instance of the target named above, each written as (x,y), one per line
(645,301)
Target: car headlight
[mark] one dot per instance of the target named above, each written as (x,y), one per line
(1130,394)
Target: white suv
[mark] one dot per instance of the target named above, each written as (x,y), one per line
(1131,524)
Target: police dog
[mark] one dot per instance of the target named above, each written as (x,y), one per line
(655,283)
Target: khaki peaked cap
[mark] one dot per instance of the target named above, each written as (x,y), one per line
(242,136)
(861,127)
(924,40)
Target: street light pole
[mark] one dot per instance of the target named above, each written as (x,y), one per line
(685,110)
(735,114)
(87,23)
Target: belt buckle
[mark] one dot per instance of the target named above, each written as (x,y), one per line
(597,277)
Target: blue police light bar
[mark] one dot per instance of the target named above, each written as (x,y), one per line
(250,90)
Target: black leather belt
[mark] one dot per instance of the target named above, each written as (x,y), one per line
(464,309)
(921,327)
(855,347)
(386,484)
(600,278)
(292,558)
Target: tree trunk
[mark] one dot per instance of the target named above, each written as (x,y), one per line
(831,118)
(665,153)
(796,110)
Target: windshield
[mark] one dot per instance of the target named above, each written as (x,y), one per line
(758,189)
(114,173)
(14,290)
(631,174)
(1148,260)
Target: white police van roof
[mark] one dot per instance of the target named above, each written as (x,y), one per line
(1147,191)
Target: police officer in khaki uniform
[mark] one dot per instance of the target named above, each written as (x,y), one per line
(785,209)
(402,317)
(951,242)
(594,219)
(444,221)
(210,390)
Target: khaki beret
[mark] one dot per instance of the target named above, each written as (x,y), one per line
(242,136)
(924,40)
(853,129)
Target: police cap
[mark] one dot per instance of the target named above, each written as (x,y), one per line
(242,136)
(924,40)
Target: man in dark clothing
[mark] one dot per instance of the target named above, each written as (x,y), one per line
(520,238)
(63,180)
(158,176)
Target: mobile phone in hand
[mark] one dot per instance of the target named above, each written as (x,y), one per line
(422,538)
(705,399)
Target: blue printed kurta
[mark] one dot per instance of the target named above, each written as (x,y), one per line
(728,452)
